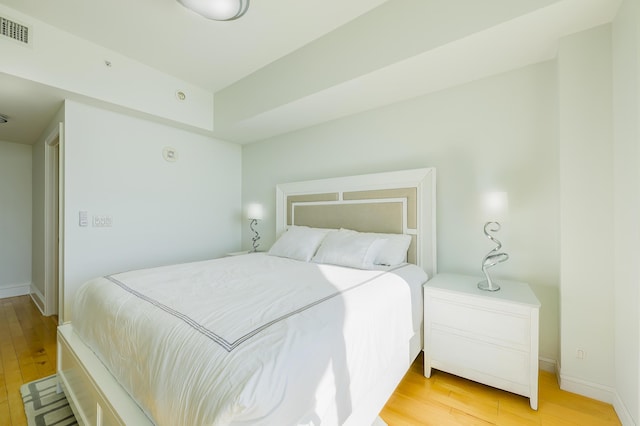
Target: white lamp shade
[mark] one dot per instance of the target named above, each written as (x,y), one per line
(495,206)
(255,211)
(219,10)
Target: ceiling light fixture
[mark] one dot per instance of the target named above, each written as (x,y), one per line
(218,10)
(3,119)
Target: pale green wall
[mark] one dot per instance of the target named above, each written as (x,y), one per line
(586,180)
(15,215)
(626,120)
(496,133)
(163,212)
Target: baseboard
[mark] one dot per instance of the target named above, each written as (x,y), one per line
(589,389)
(595,391)
(547,364)
(38,298)
(13,290)
(623,413)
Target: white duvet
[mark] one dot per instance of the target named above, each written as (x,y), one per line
(255,339)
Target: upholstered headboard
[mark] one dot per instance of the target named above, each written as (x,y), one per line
(401,202)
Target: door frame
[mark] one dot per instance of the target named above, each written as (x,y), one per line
(53,220)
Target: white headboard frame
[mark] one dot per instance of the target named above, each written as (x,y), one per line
(423,180)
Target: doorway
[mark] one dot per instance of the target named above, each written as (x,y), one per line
(52,224)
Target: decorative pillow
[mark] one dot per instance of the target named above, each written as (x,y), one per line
(347,248)
(298,242)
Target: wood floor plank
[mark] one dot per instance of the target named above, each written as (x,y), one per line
(5,414)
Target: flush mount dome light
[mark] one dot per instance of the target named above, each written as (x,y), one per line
(218,10)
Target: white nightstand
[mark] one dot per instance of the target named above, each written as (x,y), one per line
(487,337)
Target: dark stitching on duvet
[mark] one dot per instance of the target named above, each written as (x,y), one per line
(229,346)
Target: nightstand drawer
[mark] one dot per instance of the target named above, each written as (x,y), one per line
(469,357)
(499,326)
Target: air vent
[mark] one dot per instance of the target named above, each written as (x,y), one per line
(14,30)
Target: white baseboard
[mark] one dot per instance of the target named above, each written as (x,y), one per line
(623,413)
(13,290)
(547,364)
(589,389)
(38,298)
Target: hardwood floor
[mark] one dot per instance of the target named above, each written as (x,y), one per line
(445,399)
(28,352)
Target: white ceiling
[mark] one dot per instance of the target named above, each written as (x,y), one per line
(165,35)
(213,55)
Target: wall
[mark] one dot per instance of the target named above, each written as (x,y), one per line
(15,219)
(586,187)
(626,107)
(495,133)
(162,212)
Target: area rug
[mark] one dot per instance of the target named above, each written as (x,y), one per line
(43,406)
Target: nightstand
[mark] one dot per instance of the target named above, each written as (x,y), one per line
(487,337)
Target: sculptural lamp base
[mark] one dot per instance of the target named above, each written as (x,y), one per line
(488,286)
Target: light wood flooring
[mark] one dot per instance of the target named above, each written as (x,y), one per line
(445,399)
(28,352)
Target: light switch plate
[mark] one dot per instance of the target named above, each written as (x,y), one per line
(83,218)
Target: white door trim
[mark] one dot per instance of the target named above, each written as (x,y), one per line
(52,220)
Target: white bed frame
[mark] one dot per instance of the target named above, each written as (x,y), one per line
(96,397)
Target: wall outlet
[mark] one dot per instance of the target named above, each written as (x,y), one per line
(102,221)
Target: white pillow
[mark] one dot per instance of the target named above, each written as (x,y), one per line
(298,242)
(391,249)
(347,248)
(363,250)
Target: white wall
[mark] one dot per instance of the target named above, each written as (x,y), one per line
(498,132)
(586,190)
(15,219)
(162,212)
(626,107)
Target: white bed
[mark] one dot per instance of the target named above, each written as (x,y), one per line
(319,344)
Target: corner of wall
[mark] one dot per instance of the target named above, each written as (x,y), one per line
(548,364)
(622,411)
(585,388)
(37,297)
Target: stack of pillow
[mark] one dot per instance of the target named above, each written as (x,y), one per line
(342,247)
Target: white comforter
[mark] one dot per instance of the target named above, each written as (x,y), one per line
(250,339)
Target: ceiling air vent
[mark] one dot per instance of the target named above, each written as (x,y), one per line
(14,30)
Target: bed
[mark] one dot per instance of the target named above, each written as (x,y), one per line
(332,326)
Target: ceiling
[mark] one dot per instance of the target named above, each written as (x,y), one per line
(220,56)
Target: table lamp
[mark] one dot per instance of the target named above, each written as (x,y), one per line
(495,206)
